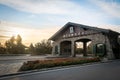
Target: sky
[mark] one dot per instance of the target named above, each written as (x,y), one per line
(36,20)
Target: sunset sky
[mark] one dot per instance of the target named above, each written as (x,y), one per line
(35,20)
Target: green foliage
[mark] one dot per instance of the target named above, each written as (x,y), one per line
(2,49)
(43,47)
(31,49)
(39,64)
(79,51)
(40,48)
(15,46)
(19,40)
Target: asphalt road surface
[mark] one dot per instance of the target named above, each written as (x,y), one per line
(99,71)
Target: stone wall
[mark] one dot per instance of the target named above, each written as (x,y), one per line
(95,38)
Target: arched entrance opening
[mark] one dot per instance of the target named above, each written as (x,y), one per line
(100,49)
(83,46)
(65,48)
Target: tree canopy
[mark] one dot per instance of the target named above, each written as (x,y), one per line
(15,46)
(43,47)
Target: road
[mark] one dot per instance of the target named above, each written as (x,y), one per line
(99,71)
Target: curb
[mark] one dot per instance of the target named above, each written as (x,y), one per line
(21,59)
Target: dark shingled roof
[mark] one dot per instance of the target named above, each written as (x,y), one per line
(82,26)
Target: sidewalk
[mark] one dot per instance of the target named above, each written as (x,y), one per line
(11,64)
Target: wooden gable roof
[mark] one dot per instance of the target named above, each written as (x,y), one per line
(81,26)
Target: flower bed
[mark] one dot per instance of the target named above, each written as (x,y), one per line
(40,64)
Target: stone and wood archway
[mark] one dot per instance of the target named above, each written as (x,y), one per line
(65,39)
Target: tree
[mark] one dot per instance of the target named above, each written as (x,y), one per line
(12,40)
(19,40)
(31,49)
(15,46)
(19,46)
(2,49)
(43,47)
(10,45)
(79,51)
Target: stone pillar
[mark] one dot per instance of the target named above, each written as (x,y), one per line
(84,48)
(110,54)
(53,50)
(73,49)
(109,51)
(59,49)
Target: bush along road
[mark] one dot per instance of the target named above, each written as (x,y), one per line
(40,64)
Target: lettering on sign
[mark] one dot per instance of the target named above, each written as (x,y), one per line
(80,33)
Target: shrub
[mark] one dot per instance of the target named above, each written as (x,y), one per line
(39,64)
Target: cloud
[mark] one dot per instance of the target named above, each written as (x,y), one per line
(111,27)
(41,6)
(58,7)
(111,7)
(32,16)
(59,11)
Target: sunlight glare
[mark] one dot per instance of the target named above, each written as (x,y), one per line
(16,31)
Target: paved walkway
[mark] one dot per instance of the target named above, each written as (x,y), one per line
(11,64)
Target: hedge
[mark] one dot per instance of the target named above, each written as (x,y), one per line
(40,64)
